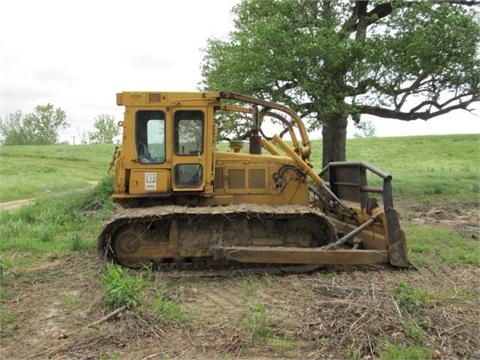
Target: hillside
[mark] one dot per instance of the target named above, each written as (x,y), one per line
(423,167)
(38,170)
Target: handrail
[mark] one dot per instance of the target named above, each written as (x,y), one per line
(306,149)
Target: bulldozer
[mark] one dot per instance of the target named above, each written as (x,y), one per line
(188,198)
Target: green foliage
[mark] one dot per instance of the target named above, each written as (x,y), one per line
(169,310)
(257,322)
(410,299)
(38,128)
(105,130)
(407,61)
(406,298)
(402,352)
(120,288)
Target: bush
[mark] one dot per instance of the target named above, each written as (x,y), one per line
(406,298)
(120,288)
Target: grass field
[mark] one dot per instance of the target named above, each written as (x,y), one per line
(31,171)
(424,168)
(55,292)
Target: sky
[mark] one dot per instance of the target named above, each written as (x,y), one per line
(78,54)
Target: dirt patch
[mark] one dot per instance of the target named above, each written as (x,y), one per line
(15,204)
(464,218)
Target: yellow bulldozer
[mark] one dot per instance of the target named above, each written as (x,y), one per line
(186,201)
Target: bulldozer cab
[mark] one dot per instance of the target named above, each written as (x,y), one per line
(172,147)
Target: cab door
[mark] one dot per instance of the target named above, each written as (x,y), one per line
(151,173)
(189,155)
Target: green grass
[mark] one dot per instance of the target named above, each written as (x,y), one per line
(402,352)
(257,322)
(424,168)
(251,287)
(427,242)
(33,171)
(169,310)
(57,224)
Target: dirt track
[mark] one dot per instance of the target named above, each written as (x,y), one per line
(15,204)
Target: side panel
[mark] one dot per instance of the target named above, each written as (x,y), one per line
(258,179)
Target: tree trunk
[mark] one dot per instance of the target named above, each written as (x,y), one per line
(334,133)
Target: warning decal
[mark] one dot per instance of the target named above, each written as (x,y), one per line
(150,181)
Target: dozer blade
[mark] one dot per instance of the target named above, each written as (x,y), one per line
(342,193)
(295,255)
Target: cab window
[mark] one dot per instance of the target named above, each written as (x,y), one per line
(150,136)
(188,175)
(188,132)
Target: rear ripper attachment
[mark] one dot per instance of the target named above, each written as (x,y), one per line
(187,201)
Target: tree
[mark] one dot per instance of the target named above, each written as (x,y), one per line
(335,60)
(40,127)
(106,130)
(365,128)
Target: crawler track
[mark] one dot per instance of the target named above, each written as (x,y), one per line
(177,234)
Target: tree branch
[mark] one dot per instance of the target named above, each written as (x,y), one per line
(358,14)
(413,115)
(457,2)
(379,12)
(362,19)
(438,105)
